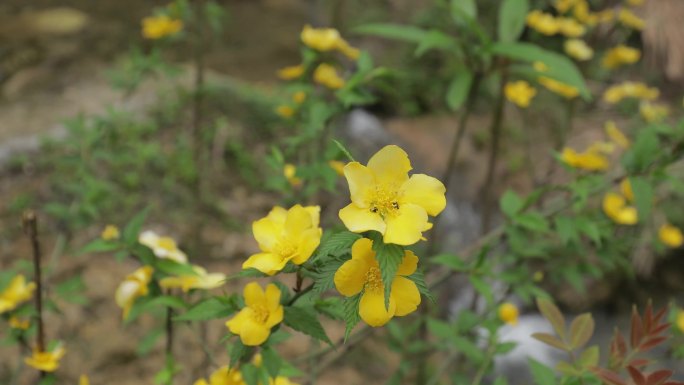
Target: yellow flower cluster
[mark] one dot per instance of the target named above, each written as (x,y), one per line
(133,286)
(616,208)
(615,135)
(325,74)
(547,24)
(327,39)
(620,55)
(653,112)
(46,361)
(162,247)
(670,235)
(16,293)
(560,88)
(232,376)
(631,20)
(591,160)
(578,49)
(157,27)
(19,323)
(520,93)
(638,90)
(110,233)
(262,311)
(582,13)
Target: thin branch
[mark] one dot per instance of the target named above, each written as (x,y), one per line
(30,224)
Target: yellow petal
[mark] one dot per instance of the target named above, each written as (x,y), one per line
(272,297)
(407,226)
(670,235)
(254,334)
(390,165)
(372,308)
(508,313)
(406,295)
(275,317)
(626,189)
(308,242)
(425,191)
(351,276)
(254,295)
(267,263)
(266,232)
(83,380)
(408,264)
(315,213)
(359,220)
(297,221)
(236,323)
(361,181)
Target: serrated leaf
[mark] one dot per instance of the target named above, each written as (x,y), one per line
(581,330)
(553,315)
(418,277)
(542,374)
(337,242)
(458,90)
(250,374)
(324,278)
(304,320)
(351,313)
(272,361)
(210,308)
(389,258)
(566,229)
(512,15)
(238,352)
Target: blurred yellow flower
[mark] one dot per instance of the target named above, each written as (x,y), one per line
(162,247)
(653,112)
(563,6)
(562,89)
(599,147)
(327,39)
(538,276)
(292,72)
(519,93)
(299,97)
(46,361)
(622,54)
(262,311)
(588,160)
(83,380)
(635,3)
(132,287)
(327,75)
(626,190)
(362,274)
(631,20)
(616,208)
(616,135)
(570,28)
(680,320)
(509,313)
(284,236)
(578,49)
(200,280)
(337,166)
(543,23)
(670,235)
(385,199)
(540,66)
(223,376)
(110,233)
(638,90)
(18,323)
(290,173)
(16,293)
(157,27)
(285,111)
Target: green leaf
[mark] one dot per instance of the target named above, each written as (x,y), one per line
(644,151)
(553,315)
(560,67)
(272,361)
(589,358)
(512,15)
(542,374)
(468,348)
(170,267)
(304,320)
(511,203)
(336,243)
(250,374)
(393,31)
(148,341)
(147,303)
(566,229)
(435,39)
(458,90)
(581,330)
(324,278)
(461,8)
(132,229)
(453,262)
(210,308)
(418,277)
(351,313)
(440,329)
(483,288)
(238,353)
(99,246)
(643,195)
(567,369)
(389,258)
(532,221)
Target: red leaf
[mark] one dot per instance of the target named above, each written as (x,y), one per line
(636,375)
(659,315)
(648,316)
(659,329)
(638,362)
(637,329)
(620,343)
(674,383)
(609,377)
(651,343)
(658,377)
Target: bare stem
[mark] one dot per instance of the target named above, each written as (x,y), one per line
(30,224)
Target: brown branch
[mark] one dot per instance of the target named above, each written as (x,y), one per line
(30,224)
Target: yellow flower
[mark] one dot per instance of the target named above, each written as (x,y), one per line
(508,313)
(262,311)
(290,173)
(540,66)
(629,19)
(327,39)
(46,361)
(680,320)
(538,276)
(284,236)
(133,286)
(285,111)
(615,207)
(543,23)
(157,27)
(292,72)
(201,280)
(599,147)
(83,380)
(258,360)
(620,55)
(653,112)
(563,6)
(617,136)
(520,93)
(362,274)
(110,233)
(588,160)
(562,89)
(670,235)
(385,199)
(635,3)
(327,75)
(638,90)
(223,376)
(626,190)
(17,292)
(570,28)
(337,166)
(578,49)
(299,97)
(162,247)
(17,323)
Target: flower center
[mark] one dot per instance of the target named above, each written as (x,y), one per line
(374,279)
(259,314)
(285,249)
(384,201)
(167,243)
